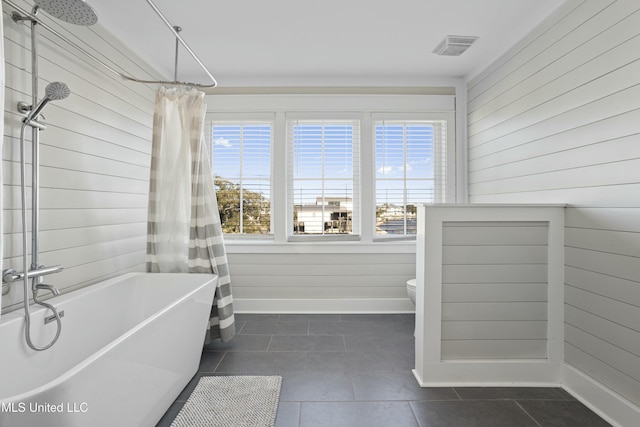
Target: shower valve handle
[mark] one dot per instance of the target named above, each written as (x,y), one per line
(10,275)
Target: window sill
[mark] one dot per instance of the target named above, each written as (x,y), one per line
(242,246)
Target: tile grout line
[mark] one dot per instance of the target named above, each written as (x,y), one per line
(525,411)
(415,417)
(241,328)
(353,388)
(219,362)
(457,394)
(561,395)
(299,413)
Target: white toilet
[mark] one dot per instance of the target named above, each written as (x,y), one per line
(411,290)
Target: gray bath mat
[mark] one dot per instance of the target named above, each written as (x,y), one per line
(232,401)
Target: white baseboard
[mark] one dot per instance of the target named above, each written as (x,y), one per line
(483,373)
(612,407)
(313,306)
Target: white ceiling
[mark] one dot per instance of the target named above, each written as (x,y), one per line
(317,43)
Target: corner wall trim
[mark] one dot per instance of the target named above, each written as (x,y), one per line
(610,406)
(434,366)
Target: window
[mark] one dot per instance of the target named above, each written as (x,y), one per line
(241,165)
(298,169)
(410,169)
(324,177)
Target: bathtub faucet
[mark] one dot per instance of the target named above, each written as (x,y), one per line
(49,288)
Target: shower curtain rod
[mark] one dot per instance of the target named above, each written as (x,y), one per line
(174,30)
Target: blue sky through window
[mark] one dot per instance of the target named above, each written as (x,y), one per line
(404,173)
(241,153)
(404,163)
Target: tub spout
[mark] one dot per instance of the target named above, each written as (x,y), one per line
(49,288)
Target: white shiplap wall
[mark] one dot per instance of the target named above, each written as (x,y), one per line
(494,290)
(94,156)
(334,278)
(557,119)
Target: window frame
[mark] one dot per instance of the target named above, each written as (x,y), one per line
(448,195)
(356,175)
(245,118)
(280,107)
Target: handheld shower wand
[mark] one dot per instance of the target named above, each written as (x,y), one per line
(54,92)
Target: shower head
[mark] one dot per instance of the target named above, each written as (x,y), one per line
(53,92)
(56,91)
(72,11)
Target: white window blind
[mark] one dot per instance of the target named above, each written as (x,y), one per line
(241,165)
(410,169)
(324,177)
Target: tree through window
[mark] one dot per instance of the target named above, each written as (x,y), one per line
(241,164)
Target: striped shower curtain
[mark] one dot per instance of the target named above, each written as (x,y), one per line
(1,148)
(183,229)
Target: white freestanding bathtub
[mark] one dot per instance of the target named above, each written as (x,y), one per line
(128,347)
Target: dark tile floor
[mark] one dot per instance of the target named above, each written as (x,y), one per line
(355,370)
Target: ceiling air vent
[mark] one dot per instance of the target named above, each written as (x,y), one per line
(454,45)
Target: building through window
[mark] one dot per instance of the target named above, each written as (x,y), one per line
(324,176)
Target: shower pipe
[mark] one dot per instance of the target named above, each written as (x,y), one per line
(54,91)
(174,29)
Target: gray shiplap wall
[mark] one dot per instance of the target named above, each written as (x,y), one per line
(557,119)
(94,157)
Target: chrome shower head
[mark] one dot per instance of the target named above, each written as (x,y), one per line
(72,11)
(56,91)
